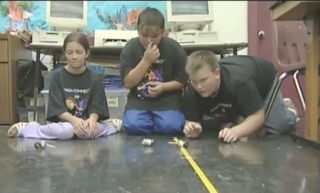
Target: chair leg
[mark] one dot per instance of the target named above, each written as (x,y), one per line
(274,93)
(298,89)
(300,92)
(318,113)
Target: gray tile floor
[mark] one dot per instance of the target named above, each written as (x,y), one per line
(119,164)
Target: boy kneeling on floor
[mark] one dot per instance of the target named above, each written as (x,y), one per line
(152,67)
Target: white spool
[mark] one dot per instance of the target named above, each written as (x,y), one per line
(147,142)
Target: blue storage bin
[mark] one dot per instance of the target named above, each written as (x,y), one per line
(113,81)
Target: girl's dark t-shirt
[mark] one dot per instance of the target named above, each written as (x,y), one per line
(78,94)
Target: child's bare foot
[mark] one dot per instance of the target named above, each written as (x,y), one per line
(14,130)
(117,123)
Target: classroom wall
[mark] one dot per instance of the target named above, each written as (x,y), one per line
(230,16)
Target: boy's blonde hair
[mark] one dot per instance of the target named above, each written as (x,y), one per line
(201,58)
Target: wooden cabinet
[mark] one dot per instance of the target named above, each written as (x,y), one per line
(12,49)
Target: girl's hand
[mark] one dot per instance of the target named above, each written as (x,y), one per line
(92,127)
(78,127)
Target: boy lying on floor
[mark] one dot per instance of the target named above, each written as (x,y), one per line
(232,87)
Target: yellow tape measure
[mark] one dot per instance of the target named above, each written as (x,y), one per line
(197,169)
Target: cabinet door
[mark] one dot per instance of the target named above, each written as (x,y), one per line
(5,101)
(4,50)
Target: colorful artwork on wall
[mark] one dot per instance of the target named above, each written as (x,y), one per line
(111,15)
(121,20)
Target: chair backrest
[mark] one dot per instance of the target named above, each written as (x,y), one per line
(289,45)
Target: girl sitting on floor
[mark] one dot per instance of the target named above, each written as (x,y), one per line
(77,101)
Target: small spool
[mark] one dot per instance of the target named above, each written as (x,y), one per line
(147,142)
(38,145)
(182,143)
(43,145)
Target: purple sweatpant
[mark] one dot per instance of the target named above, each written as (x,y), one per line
(63,131)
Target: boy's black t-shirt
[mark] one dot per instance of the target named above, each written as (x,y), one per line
(79,94)
(245,84)
(169,66)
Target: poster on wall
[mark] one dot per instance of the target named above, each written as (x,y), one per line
(121,15)
(107,15)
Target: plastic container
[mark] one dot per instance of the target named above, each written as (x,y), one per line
(26,115)
(117,100)
(116,97)
(29,102)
